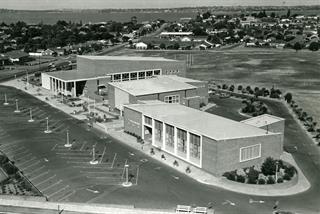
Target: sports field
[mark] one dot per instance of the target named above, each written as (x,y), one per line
(297,72)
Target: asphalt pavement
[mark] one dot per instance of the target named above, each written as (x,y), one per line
(158,186)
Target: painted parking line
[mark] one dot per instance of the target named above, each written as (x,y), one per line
(45,180)
(18,151)
(23,152)
(35,170)
(92,167)
(83,145)
(53,148)
(60,190)
(104,172)
(24,156)
(8,145)
(38,176)
(10,149)
(67,196)
(103,153)
(70,153)
(26,162)
(31,165)
(52,185)
(75,158)
(105,178)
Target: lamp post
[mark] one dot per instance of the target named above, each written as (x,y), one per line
(94,161)
(5,100)
(47,131)
(17,107)
(127,183)
(277,171)
(68,144)
(31,119)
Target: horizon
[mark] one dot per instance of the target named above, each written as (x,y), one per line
(141,4)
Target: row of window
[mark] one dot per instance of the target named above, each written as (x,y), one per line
(134,75)
(250,152)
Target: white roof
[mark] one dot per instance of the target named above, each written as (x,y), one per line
(262,120)
(154,85)
(182,79)
(199,122)
(127,58)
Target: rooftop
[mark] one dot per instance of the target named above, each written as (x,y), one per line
(159,84)
(182,79)
(199,122)
(126,58)
(262,120)
(70,75)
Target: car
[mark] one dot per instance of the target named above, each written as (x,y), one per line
(283,212)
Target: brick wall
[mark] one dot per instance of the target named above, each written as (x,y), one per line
(209,154)
(132,121)
(229,151)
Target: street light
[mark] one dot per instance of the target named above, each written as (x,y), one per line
(94,161)
(47,131)
(5,100)
(31,119)
(17,107)
(277,171)
(127,183)
(68,144)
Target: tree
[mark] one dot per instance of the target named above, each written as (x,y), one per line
(288,13)
(314,46)
(240,88)
(162,46)
(297,46)
(253,176)
(176,46)
(288,97)
(268,166)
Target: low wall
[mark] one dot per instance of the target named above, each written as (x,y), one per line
(22,198)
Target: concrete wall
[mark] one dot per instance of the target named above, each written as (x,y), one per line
(99,67)
(132,121)
(111,96)
(277,127)
(229,151)
(45,81)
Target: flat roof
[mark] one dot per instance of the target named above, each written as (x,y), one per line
(72,75)
(182,79)
(154,85)
(199,122)
(126,58)
(262,120)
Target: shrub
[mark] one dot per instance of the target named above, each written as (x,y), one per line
(202,104)
(230,175)
(270,180)
(290,171)
(252,176)
(241,179)
(261,181)
(268,167)
(280,180)
(286,177)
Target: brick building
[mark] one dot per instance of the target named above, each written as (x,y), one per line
(204,140)
(165,88)
(94,72)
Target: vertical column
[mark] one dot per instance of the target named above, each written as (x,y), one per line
(188,146)
(74,89)
(142,127)
(121,77)
(50,83)
(164,136)
(54,84)
(153,133)
(175,137)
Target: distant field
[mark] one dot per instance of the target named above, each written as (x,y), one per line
(285,69)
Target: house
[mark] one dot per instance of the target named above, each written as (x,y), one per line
(18,56)
(141,46)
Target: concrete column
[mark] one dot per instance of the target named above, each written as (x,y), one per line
(175,137)
(153,133)
(54,84)
(164,136)
(188,146)
(74,89)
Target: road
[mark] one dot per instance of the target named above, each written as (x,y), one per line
(157,187)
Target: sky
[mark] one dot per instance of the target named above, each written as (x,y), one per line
(104,4)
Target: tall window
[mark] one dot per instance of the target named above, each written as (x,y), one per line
(172,99)
(169,137)
(147,120)
(182,141)
(116,77)
(194,146)
(158,131)
(125,77)
(250,152)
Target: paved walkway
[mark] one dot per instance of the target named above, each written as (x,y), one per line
(115,130)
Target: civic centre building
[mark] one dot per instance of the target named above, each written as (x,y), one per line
(207,141)
(95,72)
